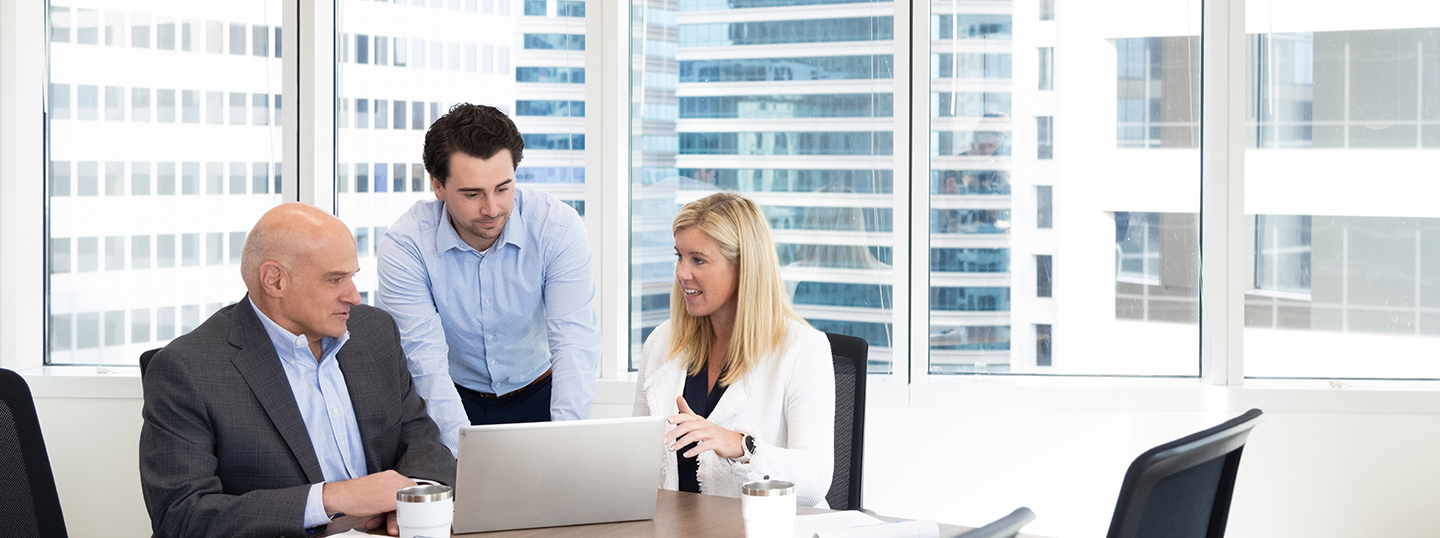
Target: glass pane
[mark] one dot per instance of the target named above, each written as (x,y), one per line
(1342,285)
(403,65)
(116,140)
(794,108)
(1050,241)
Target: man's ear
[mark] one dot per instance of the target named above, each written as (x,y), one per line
(436,186)
(274,279)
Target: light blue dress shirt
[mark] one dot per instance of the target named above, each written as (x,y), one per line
(494,321)
(324,402)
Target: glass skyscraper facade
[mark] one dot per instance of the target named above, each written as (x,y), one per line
(792,106)
(1042,185)
(165,131)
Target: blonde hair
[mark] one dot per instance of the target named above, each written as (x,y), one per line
(739,227)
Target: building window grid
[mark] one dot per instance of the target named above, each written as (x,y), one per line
(115,101)
(110,328)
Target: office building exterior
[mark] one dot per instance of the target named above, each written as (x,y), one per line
(1048,245)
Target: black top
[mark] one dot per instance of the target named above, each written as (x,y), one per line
(702,404)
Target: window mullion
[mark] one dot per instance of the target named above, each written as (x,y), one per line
(22,208)
(310,82)
(607,163)
(1222,208)
(912,304)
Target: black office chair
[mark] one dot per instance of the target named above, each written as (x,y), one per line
(850,355)
(1005,527)
(1182,489)
(145,360)
(27,486)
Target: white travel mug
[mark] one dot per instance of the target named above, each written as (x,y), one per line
(425,511)
(768,507)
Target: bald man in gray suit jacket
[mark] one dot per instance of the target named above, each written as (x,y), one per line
(226,449)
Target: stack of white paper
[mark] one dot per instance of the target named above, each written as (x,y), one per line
(850,524)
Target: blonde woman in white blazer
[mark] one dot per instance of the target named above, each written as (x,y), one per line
(747,385)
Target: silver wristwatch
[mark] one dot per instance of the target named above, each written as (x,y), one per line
(747,443)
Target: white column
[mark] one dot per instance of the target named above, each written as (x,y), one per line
(607,175)
(23,92)
(309,107)
(1222,188)
(911,180)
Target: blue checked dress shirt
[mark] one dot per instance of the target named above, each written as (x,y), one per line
(494,321)
(324,402)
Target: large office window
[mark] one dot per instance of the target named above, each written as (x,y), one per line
(164,137)
(404,64)
(116,146)
(828,186)
(985,173)
(724,105)
(1343,263)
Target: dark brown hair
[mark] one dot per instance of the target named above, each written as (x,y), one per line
(476,130)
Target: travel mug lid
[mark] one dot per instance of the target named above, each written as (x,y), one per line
(768,488)
(422,494)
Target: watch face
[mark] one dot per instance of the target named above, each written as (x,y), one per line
(750,444)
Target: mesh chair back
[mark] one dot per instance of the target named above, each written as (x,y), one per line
(29,505)
(850,355)
(1182,489)
(1005,527)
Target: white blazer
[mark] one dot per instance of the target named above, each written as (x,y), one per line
(787,403)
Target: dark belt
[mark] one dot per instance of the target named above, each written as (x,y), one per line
(537,381)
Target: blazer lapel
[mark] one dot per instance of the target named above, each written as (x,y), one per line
(736,397)
(258,363)
(662,386)
(366,386)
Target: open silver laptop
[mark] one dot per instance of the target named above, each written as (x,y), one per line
(547,474)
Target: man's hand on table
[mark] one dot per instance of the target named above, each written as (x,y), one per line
(371,495)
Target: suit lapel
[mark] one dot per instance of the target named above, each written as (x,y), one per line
(366,386)
(258,363)
(731,403)
(662,386)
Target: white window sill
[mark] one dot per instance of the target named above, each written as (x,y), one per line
(1178,394)
(84,381)
(963,392)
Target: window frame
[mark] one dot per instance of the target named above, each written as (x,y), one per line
(309,130)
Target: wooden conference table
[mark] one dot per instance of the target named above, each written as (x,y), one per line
(677,514)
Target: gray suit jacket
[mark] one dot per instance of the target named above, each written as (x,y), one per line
(224,451)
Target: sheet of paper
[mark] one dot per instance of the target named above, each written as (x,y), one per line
(806,526)
(351,533)
(891,529)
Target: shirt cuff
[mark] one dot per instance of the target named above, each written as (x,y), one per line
(315,506)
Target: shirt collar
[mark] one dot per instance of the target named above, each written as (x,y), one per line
(447,238)
(288,345)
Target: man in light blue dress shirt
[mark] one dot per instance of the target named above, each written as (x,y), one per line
(491,284)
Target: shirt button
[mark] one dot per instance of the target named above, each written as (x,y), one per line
(487,301)
(334,411)
(492,337)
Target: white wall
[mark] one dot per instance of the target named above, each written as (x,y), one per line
(1325,462)
(92,433)
(1303,474)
